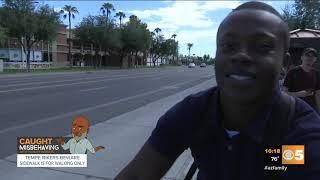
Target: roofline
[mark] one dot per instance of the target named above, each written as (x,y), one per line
(311,30)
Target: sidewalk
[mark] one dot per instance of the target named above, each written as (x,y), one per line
(122,136)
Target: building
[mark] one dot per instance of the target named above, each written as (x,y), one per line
(43,54)
(55,54)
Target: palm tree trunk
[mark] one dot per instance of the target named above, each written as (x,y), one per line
(107,16)
(69,53)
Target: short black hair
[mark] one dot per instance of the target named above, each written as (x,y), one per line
(256,5)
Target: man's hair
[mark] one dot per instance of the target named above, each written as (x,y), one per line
(255,5)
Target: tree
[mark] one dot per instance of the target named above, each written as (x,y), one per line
(157,30)
(135,37)
(156,50)
(206,57)
(69,11)
(174,36)
(189,48)
(121,15)
(93,30)
(106,10)
(29,24)
(3,35)
(302,14)
(175,47)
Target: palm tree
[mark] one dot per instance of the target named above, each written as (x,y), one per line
(157,30)
(174,36)
(107,8)
(69,11)
(120,15)
(189,47)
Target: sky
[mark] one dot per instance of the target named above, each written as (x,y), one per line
(192,21)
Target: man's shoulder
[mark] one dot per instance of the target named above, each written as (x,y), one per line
(189,110)
(315,71)
(198,101)
(72,140)
(306,121)
(202,95)
(295,70)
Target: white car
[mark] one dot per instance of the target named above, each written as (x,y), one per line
(192,65)
(203,65)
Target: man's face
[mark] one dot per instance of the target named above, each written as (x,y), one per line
(308,59)
(80,128)
(249,55)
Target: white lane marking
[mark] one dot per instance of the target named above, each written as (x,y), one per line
(43,81)
(59,85)
(170,87)
(79,79)
(93,89)
(157,78)
(81,111)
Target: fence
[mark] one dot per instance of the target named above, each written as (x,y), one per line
(33,65)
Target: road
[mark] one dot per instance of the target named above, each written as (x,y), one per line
(44,105)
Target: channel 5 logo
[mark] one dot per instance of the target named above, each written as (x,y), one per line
(293,154)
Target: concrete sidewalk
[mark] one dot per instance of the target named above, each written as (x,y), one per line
(122,136)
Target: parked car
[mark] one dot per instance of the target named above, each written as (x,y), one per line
(203,65)
(192,65)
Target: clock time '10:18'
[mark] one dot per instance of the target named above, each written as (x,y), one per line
(272,151)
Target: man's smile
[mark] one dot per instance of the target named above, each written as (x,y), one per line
(241,77)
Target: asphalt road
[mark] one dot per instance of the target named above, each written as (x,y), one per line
(44,105)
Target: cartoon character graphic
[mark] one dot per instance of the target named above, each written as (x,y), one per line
(79,144)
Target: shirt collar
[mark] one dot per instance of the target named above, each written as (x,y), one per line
(80,141)
(256,128)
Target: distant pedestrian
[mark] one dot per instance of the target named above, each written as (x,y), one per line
(304,81)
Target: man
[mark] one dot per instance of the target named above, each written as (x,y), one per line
(79,144)
(303,81)
(226,127)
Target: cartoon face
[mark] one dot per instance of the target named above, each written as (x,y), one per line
(80,126)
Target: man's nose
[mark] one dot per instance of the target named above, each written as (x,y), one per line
(241,57)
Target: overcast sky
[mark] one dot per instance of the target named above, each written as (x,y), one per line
(193,21)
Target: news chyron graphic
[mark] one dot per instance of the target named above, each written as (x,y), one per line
(279,158)
(57,151)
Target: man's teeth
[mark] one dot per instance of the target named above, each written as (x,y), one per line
(240,77)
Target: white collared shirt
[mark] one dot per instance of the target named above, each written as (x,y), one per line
(79,147)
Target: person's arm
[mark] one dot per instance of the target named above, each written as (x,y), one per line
(289,81)
(167,141)
(302,93)
(148,164)
(90,148)
(66,146)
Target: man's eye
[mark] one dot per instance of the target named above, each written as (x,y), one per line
(228,47)
(265,47)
